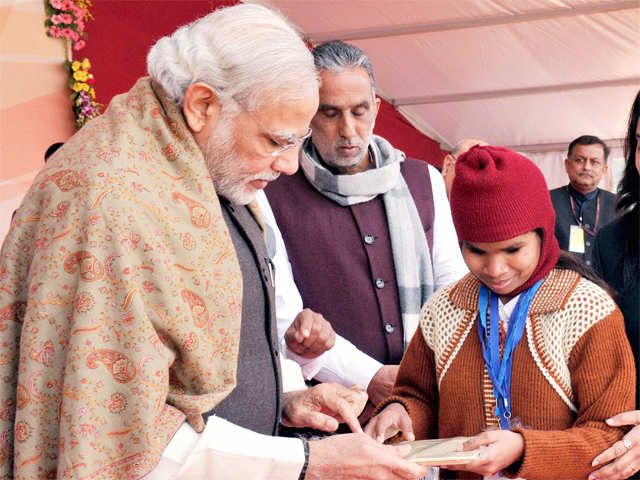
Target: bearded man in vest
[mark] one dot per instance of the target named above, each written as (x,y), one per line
(368,232)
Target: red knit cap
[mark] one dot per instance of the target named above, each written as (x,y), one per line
(498,194)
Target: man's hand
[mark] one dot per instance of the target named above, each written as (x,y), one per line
(381,384)
(310,335)
(324,407)
(622,459)
(393,419)
(356,456)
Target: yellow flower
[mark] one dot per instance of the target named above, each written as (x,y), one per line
(77,87)
(92,93)
(86,64)
(75,65)
(85,87)
(80,75)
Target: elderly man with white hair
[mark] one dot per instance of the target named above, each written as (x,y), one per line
(137,317)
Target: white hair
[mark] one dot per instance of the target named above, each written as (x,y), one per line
(246,51)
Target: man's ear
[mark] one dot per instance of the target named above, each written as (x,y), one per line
(377,103)
(447,163)
(201,108)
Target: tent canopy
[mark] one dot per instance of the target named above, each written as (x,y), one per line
(528,74)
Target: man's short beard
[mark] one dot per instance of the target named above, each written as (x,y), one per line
(226,166)
(339,162)
(344,163)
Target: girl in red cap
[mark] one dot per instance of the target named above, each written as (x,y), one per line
(526,354)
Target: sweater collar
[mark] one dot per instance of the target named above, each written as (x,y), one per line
(550,297)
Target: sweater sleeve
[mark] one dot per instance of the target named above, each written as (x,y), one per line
(603,379)
(416,388)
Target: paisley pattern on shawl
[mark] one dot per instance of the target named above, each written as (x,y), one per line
(120,299)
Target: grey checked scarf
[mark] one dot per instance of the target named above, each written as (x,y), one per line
(411,257)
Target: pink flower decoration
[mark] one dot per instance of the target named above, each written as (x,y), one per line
(56,4)
(62,18)
(79,44)
(55,32)
(77,12)
(70,34)
(67,5)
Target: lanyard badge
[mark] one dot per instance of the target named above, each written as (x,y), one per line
(578,218)
(500,369)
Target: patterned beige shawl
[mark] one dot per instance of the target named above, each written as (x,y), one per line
(120,298)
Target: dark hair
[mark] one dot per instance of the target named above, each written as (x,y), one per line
(337,56)
(589,140)
(628,188)
(53,148)
(568,261)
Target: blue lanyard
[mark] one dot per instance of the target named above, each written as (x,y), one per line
(500,370)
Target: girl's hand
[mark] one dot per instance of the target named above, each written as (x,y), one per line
(503,448)
(393,419)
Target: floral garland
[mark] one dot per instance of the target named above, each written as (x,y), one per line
(81,82)
(66,19)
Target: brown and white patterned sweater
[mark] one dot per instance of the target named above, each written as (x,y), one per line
(572,370)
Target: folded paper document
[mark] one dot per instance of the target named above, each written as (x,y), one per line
(441,451)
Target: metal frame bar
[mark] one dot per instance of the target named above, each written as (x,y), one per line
(552,147)
(514,92)
(397,30)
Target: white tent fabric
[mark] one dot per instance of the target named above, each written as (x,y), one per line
(528,74)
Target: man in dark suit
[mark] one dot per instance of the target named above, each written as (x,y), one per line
(581,207)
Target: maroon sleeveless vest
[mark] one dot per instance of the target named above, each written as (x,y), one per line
(342,261)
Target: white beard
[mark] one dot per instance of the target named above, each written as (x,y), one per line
(226,166)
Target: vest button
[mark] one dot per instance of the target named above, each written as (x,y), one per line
(379,283)
(369,239)
(389,328)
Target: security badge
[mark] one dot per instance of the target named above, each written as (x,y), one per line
(576,239)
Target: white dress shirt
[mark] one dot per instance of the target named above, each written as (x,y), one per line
(226,451)
(224,447)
